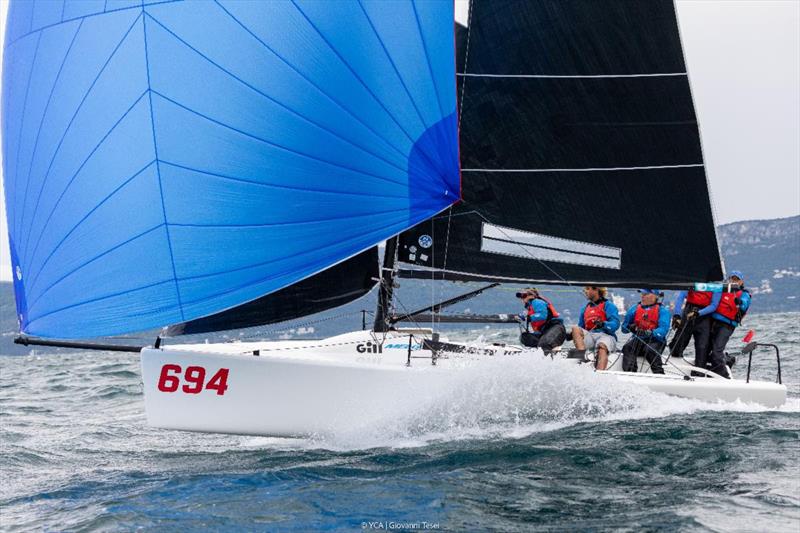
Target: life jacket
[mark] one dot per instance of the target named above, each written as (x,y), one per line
(699,298)
(538,325)
(646,318)
(727,306)
(594,313)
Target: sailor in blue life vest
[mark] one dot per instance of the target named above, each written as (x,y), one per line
(543,327)
(597,326)
(648,324)
(732,307)
(692,318)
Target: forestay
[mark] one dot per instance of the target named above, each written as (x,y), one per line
(168,160)
(580,151)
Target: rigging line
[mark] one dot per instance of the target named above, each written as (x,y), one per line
(288,328)
(41,122)
(525,250)
(276,186)
(274,144)
(77,172)
(66,131)
(363,84)
(590,169)
(83,219)
(446,247)
(21,127)
(466,59)
(310,82)
(570,76)
(278,103)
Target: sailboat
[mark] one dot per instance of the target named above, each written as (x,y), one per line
(217,165)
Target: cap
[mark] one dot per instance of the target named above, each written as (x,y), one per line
(737,273)
(650,291)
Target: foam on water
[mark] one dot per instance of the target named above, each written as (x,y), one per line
(490,399)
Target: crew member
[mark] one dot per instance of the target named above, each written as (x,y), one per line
(597,325)
(732,307)
(692,318)
(543,327)
(648,324)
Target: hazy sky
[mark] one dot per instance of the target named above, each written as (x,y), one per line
(744,67)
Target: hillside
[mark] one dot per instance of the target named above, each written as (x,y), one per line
(768,253)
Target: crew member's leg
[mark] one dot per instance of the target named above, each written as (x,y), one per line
(629,351)
(602,356)
(652,352)
(720,333)
(577,338)
(702,340)
(553,336)
(682,337)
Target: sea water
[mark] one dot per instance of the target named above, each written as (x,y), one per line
(532,445)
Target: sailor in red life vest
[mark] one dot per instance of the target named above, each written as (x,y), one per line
(597,326)
(692,318)
(543,327)
(731,309)
(648,324)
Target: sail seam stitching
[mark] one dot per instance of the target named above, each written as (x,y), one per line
(41,122)
(95,258)
(363,84)
(19,132)
(270,143)
(317,87)
(158,166)
(64,136)
(75,175)
(275,101)
(86,216)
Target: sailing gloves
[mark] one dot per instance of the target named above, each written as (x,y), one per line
(676,321)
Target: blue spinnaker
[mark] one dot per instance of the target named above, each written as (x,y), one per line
(165,160)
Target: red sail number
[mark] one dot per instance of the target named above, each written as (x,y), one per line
(194,378)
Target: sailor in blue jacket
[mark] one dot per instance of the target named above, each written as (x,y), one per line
(648,323)
(692,319)
(732,307)
(597,325)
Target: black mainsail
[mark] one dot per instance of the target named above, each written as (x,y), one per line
(580,151)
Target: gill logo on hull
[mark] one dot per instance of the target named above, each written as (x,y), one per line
(369,347)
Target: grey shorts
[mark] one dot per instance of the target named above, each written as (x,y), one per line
(592,339)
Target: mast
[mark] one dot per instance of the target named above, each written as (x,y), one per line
(381,324)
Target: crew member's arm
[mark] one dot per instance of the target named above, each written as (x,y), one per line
(745,300)
(661,331)
(612,318)
(677,309)
(626,324)
(710,308)
(581,323)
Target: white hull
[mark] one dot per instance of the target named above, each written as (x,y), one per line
(295,388)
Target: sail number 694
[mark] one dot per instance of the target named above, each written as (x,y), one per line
(194,380)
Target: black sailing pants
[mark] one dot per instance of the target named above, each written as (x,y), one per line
(553,335)
(702,340)
(684,333)
(650,348)
(720,334)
